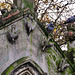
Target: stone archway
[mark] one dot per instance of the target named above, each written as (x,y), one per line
(24,66)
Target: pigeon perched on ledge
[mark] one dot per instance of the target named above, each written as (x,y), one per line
(50,27)
(70,20)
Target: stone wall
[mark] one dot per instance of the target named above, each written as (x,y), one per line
(25,45)
(29,45)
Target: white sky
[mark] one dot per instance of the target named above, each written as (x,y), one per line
(70,11)
(6,0)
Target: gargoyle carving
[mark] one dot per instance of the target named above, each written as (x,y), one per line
(12,37)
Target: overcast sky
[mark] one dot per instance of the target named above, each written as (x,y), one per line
(67,12)
(6,0)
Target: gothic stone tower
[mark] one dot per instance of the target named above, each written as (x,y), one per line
(22,50)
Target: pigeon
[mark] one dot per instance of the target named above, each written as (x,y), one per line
(50,27)
(70,20)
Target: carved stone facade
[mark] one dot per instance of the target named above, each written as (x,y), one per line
(25,50)
(24,46)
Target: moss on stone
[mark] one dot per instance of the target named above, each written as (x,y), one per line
(28,4)
(23,24)
(31,50)
(57,62)
(49,50)
(23,48)
(54,58)
(19,62)
(7,46)
(48,63)
(8,70)
(31,38)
